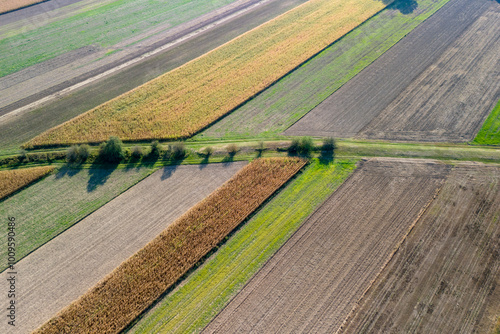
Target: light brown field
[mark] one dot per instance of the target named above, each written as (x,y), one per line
(314,281)
(9,5)
(185,100)
(445,278)
(15,179)
(141,279)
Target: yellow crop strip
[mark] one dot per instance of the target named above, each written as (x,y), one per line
(15,179)
(191,97)
(9,5)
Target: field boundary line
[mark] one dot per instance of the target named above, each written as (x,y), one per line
(395,250)
(23,7)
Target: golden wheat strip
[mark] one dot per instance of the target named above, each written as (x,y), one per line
(121,296)
(191,97)
(15,179)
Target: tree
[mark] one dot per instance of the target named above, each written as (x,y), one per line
(112,150)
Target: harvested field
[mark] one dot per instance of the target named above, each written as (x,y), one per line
(10,5)
(16,130)
(350,109)
(313,282)
(207,290)
(452,98)
(490,131)
(15,179)
(95,246)
(184,101)
(278,107)
(445,278)
(141,279)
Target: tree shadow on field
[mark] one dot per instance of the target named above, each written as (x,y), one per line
(168,171)
(67,170)
(99,175)
(326,157)
(405,7)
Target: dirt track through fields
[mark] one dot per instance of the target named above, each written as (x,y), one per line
(346,112)
(312,283)
(452,98)
(67,266)
(445,278)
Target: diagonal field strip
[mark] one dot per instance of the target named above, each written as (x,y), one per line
(186,100)
(346,112)
(313,282)
(67,266)
(281,105)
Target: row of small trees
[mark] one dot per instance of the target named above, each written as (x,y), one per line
(112,150)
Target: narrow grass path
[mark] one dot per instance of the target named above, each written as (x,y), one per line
(207,290)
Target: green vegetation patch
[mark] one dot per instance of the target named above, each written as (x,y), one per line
(103,26)
(284,103)
(490,132)
(207,290)
(47,208)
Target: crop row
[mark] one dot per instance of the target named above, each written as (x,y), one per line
(184,101)
(137,282)
(9,5)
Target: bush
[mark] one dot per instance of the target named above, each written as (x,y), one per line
(306,145)
(84,152)
(329,145)
(207,151)
(232,149)
(294,146)
(112,150)
(23,156)
(178,151)
(156,149)
(72,154)
(136,152)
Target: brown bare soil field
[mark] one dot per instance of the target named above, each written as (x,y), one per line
(120,297)
(445,278)
(313,282)
(452,98)
(10,5)
(63,269)
(15,179)
(351,108)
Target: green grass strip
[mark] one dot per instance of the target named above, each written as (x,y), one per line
(207,290)
(281,105)
(490,131)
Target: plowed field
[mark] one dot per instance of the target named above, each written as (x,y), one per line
(445,278)
(351,109)
(452,98)
(313,282)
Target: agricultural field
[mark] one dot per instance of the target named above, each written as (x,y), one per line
(54,204)
(208,289)
(315,280)
(10,5)
(110,235)
(490,131)
(352,108)
(19,127)
(15,179)
(451,99)
(143,277)
(281,105)
(184,101)
(445,278)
